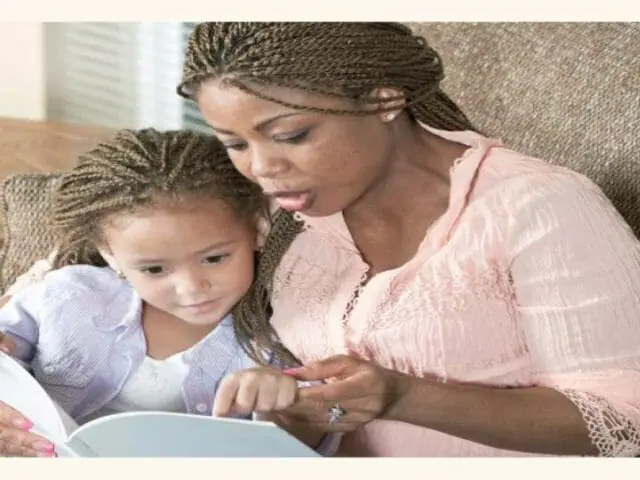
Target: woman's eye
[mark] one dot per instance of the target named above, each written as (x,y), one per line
(153,270)
(215,259)
(296,137)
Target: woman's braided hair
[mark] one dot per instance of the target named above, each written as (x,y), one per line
(140,168)
(338,59)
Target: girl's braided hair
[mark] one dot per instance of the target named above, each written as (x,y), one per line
(139,168)
(338,59)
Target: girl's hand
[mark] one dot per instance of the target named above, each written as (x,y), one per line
(260,390)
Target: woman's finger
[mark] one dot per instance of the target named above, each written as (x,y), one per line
(14,442)
(13,418)
(7,344)
(338,391)
(321,420)
(312,410)
(335,366)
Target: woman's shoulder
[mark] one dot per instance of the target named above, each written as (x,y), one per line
(529,196)
(519,177)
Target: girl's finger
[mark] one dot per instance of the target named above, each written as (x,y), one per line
(267,395)
(286,395)
(247,395)
(225,396)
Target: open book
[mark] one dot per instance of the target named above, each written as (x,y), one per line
(142,434)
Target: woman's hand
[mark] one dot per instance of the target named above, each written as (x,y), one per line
(15,438)
(7,345)
(362,390)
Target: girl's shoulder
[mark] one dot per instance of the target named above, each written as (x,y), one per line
(79,294)
(83,278)
(87,287)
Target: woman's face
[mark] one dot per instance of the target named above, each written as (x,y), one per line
(317,164)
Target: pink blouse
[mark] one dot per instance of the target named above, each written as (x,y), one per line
(530,278)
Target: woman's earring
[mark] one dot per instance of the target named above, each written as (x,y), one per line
(390,116)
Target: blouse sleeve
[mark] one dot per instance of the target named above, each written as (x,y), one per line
(35,274)
(576,273)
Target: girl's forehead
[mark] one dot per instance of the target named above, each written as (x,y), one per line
(161,231)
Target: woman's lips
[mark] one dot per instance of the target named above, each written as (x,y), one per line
(292,201)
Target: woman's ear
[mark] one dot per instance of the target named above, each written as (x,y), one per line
(391,100)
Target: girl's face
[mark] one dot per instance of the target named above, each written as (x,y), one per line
(314,163)
(193,259)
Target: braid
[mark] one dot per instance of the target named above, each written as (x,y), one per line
(338,59)
(252,314)
(137,168)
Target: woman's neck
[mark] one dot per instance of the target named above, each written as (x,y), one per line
(390,221)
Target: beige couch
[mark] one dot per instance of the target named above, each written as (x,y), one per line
(569,93)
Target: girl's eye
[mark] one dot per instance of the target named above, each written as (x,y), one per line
(153,270)
(295,137)
(238,146)
(214,259)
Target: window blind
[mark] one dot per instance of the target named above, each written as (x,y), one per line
(121,75)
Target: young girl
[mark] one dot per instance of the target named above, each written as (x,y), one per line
(157,243)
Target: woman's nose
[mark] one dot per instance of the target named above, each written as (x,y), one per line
(265,164)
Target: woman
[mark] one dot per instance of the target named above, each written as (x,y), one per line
(459,298)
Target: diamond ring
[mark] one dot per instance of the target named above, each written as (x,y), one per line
(336,412)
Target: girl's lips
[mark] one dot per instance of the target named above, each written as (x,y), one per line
(197,307)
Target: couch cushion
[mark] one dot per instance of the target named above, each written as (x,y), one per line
(565,92)
(24,208)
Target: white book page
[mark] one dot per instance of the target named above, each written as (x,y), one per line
(164,434)
(21,391)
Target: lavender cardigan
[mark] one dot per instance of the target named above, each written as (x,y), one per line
(80,332)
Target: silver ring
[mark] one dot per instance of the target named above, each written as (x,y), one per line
(336,412)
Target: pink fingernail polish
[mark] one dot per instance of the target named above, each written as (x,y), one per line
(23,423)
(46,454)
(292,371)
(44,446)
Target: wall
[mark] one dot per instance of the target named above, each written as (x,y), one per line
(22,71)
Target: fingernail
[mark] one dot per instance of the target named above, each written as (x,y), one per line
(5,349)
(23,423)
(292,371)
(43,446)
(46,454)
